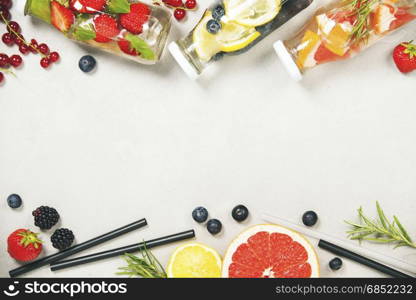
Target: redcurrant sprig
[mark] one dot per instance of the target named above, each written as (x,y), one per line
(14,36)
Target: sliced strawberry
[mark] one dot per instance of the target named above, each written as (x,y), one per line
(87,6)
(61,17)
(106,28)
(125,46)
(134,20)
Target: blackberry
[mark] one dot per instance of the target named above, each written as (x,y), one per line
(45,217)
(62,238)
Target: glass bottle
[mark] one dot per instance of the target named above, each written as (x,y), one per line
(342,30)
(127,28)
(231,27)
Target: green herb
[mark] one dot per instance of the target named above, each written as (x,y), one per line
(380,230)
(118,6)
(39,8)
(140,46)
(85,33)
(361,9)
(409,49)
(145,266)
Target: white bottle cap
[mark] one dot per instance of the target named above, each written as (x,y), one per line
(287,60)
(180,58)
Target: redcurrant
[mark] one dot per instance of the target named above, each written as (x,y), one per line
(23,48)
(7,39)
(16,60)
(14,27)
(44,49)
(4,60)
(179,14)
(190,4)
(45,62)
(54,57)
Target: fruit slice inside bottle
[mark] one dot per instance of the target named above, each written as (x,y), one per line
(252,12)
(336,36)
(231,37)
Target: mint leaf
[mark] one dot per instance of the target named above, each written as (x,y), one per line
(85,33)
(140,46)
(118,6)
(39,8)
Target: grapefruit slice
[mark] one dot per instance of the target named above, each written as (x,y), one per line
(270,251)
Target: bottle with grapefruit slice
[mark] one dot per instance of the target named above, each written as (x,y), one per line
(231,27)
(270,251)
(128,28)
(342,30)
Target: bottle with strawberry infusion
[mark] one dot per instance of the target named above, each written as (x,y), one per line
(231,27)
(127,28)
(342,30)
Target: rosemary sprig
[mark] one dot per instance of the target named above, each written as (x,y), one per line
(361,9)
(380,230)
(145,266)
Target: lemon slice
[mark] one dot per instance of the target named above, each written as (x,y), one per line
(231,37)
(252,12)
(234,36)
(194,260)
(206,45)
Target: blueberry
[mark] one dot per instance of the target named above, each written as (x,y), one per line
(335,264)
(309,218)
(213,26)
(218,56)
(87,63)
(214,226)
(218,12)
(240,213)
(200,214)
(14,201)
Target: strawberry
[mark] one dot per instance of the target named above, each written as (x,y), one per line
(87,6)
(125,46)
(106,28)
(24,245)
(404,56)
(61,17)
(402,17)
(134,20)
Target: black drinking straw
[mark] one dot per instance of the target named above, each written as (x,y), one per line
(361,259)
(77,248)
(120,251)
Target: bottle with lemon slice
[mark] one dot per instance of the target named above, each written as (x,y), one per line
(231,27)
(341,30)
